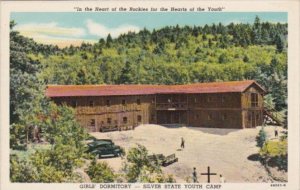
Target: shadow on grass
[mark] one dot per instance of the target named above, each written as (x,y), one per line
(214,131)
(254,157)
(279,162)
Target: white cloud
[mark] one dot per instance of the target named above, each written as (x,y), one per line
(102,31)
(34,30)
(51,33)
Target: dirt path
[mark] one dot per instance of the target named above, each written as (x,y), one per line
(226,151)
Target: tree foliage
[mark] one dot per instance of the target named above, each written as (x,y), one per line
(100,172)
(139,168)
(170,55)
(261,138)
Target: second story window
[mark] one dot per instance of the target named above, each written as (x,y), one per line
(91,103)
(209,99)
(74,103)
(107,103)
(254,100)
(138,101)
(123,102)
(223,99)
(153,100)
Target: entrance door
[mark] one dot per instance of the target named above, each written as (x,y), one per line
(252,121)
(175,117)
(171,117)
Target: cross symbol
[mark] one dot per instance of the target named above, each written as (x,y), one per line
(208,174)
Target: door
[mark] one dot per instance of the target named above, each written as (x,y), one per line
(175,117)
(252,121)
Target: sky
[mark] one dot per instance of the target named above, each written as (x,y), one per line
(66,28)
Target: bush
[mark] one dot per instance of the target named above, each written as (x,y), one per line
(100,172)
(21,170)
(275,154)
(139,168)
(274,148)
(17,136)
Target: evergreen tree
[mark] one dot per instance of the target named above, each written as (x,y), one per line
(109,40)
(279,44)
(261,138)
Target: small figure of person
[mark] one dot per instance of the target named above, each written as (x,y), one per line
(222,179)
(276,132)
(182,143)
(195,179)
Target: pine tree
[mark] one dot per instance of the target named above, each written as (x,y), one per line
(279,44)
(109,40)
(261,138)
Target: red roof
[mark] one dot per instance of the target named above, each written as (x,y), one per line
(114,90)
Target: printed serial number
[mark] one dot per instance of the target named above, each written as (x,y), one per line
(278,185)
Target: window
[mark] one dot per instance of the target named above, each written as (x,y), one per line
(123,102)
(209,116)
(92,123)
(139,118)
(153,100)
(138,101)
(223,99)
(254,100)
(209,99)
(74,104)
(224,116)
(124,119)
(108,120)
(195,100)
(91,103)
(107,103)
(197,116)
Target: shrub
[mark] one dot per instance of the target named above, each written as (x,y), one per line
(100,172)
(274,148)
(261,138)
(138,168)
(275,154)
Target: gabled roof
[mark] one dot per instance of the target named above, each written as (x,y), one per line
(115,90)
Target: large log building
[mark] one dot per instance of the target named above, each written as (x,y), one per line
(237,104)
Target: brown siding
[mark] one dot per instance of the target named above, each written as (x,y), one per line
(96,108)
(221,110)
(213,100)
(216,119)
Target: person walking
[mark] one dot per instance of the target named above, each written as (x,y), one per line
(182,143)
(276,132)
(195,178)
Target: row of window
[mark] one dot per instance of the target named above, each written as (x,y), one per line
(92,122)
(254,101)
(107,103)
(210,117)
(211,99)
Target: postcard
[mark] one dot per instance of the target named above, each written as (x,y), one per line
(150,95)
